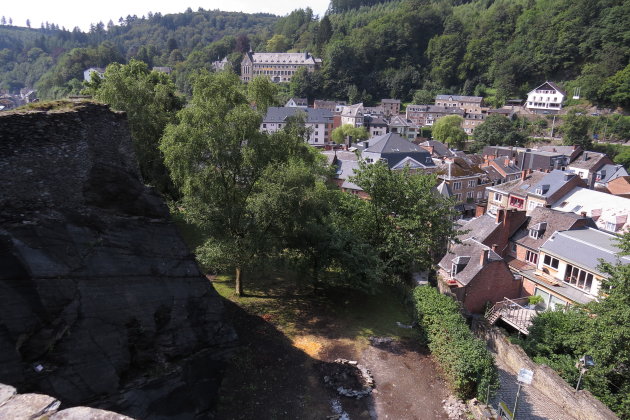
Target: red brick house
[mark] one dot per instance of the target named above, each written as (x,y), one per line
(476,276)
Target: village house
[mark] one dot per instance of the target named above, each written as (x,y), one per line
(572,152)
(610,212)
(471,121)
(220,65)
(427,115)
(463,180)
(525,158)
(297,103)
(397,152)
(353,115)
(504,167)
(468,104)
(587,166)
(375,126)
(345,164)
(619,186)
(87,74)
(545,99)
(279,67)
(333,106)
(533,189)
(318,121)
(607,174)
(476,276)
(390,106)
(438,150)
(404,127)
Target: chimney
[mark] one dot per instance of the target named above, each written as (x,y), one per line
(585,156)
(500,215)
(523,175)
(480,209)
(495,248)
(583,213)
(483,258)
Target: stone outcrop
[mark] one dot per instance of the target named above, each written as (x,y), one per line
(102,302)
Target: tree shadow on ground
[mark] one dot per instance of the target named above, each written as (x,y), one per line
(269,378)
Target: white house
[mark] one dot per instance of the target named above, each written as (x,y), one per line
(545,99)
(318,121)
(609,212)
(353,115)
(87,74)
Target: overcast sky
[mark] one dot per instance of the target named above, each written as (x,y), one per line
(71,13)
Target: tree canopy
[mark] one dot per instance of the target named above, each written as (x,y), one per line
(341,133)
(449,130)
(149,99)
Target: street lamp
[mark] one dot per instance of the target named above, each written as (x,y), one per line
(584,364)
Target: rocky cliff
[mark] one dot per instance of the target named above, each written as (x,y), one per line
(102,304)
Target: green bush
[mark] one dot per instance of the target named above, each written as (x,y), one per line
(468,365)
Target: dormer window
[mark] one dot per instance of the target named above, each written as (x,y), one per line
(611,226)
(533,233)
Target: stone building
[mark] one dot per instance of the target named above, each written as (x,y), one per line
(279,67)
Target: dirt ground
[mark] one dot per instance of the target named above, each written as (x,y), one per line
(275,375)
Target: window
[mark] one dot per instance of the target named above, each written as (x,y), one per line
(578,278)
(458,197)
(551,261)
(470,194)
(513,246)
(480,194)
(498,196)
(533,233)
(533,204)
(457,185)
(531,257)
(264,125)
(472,183)
(611,226)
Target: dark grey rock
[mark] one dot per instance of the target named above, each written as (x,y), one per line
(96,284)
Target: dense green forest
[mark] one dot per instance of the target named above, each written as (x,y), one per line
(497,48)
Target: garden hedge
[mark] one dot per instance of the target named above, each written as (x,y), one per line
(468,365)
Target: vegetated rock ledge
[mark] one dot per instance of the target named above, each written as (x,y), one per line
(102,302)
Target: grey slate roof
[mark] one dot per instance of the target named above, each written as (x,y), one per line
(588,160)
(435,109)
(554,221)
(468,252)
(345,170)
(439,148)
(281,58)
(584,248)
(392,143)
(276,114)
(610,172)
(477,99)
(550,183)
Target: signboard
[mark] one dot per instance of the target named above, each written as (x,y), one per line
(525,376)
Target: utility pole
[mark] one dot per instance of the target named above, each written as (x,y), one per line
(518,392)
(553,125)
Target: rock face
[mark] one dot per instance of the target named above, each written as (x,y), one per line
(102,304)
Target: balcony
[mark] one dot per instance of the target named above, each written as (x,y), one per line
(513,312)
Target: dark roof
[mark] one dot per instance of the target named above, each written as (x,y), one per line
(390,101)
(492,173)
(392,143)
(550,183)
(552,85)
(439,148)
(468,255)
(459,167)
(585,247)
(435,109)
(589,160)
(610,172)
(571,151)
(555,221)
(460,98)
(519,186)
(280,114)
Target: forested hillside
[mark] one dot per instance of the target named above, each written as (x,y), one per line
(371,50)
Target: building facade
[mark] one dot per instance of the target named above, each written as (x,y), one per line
(279,67)
(318,121)
(545,99)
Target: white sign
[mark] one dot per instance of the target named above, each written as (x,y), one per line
(525,376)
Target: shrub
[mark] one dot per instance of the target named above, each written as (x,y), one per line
(468,365)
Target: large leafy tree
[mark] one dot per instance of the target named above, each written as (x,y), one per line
(449,130)
(250,190)
(340,134)
(575,129)
(499,130)
(149,99)
(408,223)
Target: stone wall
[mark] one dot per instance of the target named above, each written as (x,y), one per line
(102,302)
(581,404)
